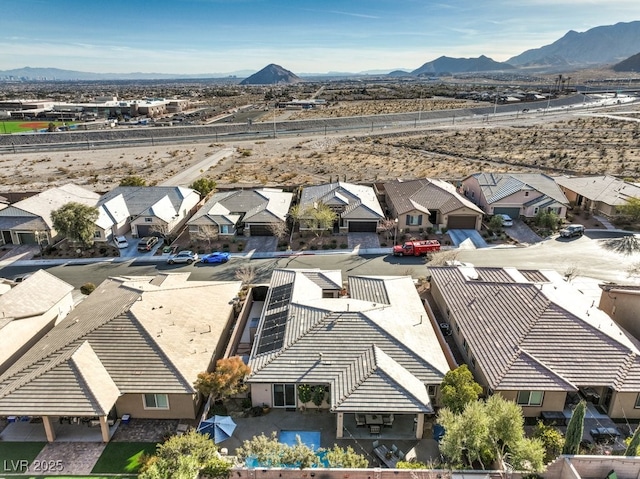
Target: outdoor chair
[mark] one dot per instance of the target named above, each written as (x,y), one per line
(376,443)
(394,448)
(360,420)
(387,420)
(400,455)
(375,429)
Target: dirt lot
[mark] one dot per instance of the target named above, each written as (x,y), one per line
(585,143)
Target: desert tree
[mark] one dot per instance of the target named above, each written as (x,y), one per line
(634,444)
(226,380)
(341,458)
(388,226)
(133,180)
(76,221)
(278,229)
(296,212)
(631,208)
(440,258)
(458,388)
(575,429)
(207,233)
(322,217)
(246,274)
(205,186)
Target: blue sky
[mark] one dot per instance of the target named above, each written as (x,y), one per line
(220,36)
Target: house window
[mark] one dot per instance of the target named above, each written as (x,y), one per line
(637,405)
(156,401)
(414,220)
(473,363)
(96,234)
(526,193)
(224,229)
(148,220)
(473,194)
(530,398)
(535,210)
(432,390)
(284,395)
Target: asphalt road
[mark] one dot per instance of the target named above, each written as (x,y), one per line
(585,255)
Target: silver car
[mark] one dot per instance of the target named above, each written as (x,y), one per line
(188,257)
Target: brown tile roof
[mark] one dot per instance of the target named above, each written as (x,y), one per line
(425,194)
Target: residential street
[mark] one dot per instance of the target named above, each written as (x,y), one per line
(585,255)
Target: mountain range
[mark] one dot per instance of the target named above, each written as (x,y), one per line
(603,45)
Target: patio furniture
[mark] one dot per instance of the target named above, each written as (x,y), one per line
(386,456)
(553,418)
(400,455)
(375,419)
(376,443)
(604,434)
(374,429)
(394,448)
(360,420)
(387,420)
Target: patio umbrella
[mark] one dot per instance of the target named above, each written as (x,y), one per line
(220,428)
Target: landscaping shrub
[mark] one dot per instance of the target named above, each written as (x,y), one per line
(87,288)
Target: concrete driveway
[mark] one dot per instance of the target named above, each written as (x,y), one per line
(521,233)
(261,244)
(363,240)
(467,239)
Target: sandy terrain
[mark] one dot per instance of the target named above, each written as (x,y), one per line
(603,142)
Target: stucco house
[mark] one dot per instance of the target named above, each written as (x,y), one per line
(29,310)
(251,211)
(532,337)
(134,347)
(28,221)
(517,195)
(600,195)
(144,210)
(427,202)
(374,354)
(622,303)
(357,206)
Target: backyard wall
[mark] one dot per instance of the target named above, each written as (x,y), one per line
(373,473)
(181,406)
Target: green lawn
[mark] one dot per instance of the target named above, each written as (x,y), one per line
(20,126)
(122,457)
(14,452)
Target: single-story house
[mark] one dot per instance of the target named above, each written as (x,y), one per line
(29,310)
(372,353)
(357,206)
(28,221)
(145,210)
(133,347)
(601,195)
(516,195)
(532,337)
(622,303)
(434,203)
(254,212)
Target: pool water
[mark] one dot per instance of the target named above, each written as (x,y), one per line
(310,439)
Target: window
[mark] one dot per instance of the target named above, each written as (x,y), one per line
(148,220)
(414,220)
(432,390)
(530,398)
(224,229)
(535,210)
(156,401)
(96,234)
(526,193)
(284,395)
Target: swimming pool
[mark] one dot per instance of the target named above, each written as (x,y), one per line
(308,438)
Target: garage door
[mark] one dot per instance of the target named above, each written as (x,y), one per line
(260,230)
(145,230)
(461,223)
(362,226)
(513,212)
(27,238)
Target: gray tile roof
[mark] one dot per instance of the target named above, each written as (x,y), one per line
(35,295)
(496,186)
(606,189)
(526,332)
(352,196)
(426,194)
(161,201)
(151,335)
(336,341)
(265,205)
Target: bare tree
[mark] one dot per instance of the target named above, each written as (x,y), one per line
(571,272)
(440,258)
(246,274)
(388,225)
(278,229)
(634,270)
(161,229)
(206,233)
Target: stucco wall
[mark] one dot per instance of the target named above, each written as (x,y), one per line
(261,394)
(552,401)
(623,405)
(181,406)
(623,307)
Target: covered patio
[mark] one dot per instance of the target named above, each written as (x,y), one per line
(34,429)
(398,427)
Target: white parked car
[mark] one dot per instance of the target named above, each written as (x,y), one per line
(121,242)
(506,220)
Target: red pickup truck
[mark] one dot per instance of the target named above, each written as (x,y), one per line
(416,248)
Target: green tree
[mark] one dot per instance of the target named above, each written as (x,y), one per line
(547,219)
(634,444)
(323,218)
(184,457)
(304,393)
(205,186)
(631,208)
(486,432)
(76,221)
(458,389)
(271,453)
(133,181)
(295,213)
(575,429)
(551,439)
(226,380)
(496,222)
(338,457)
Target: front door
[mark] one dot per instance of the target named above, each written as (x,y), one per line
(6,237)
(284,395)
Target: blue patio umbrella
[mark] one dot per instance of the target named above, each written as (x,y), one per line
(220,428)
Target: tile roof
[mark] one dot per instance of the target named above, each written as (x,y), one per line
(524,331)
(355,196)
(606,189)
(161,201)
(425,194)
(131,325)
(496,186)
(378,340)
(42,204)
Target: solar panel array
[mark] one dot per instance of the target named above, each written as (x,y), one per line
(275,320)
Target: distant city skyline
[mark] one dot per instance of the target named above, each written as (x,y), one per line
(304,36)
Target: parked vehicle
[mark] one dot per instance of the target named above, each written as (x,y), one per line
(147,243)
(572,230)
(506,220)
(183,257)
(215,257)
(121,242)
(416,248)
